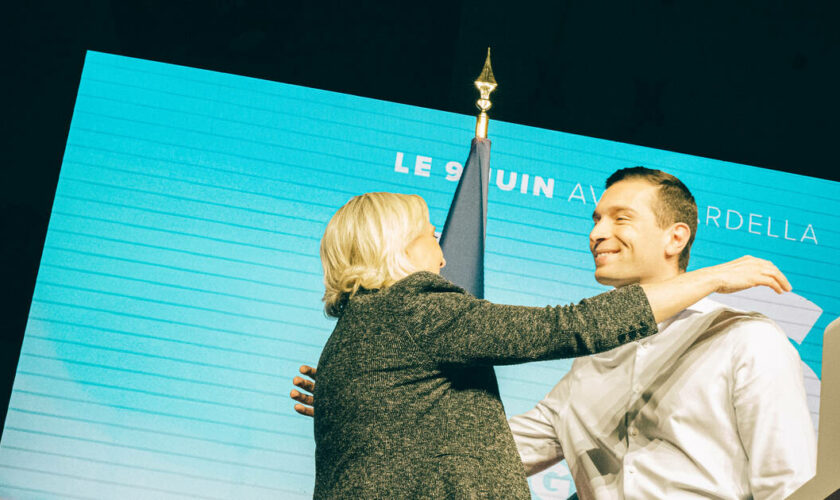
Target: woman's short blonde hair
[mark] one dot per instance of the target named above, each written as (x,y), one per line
(364,244)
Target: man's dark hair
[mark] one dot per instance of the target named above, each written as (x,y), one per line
(675,202)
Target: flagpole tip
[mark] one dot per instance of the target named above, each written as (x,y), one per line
(485,83)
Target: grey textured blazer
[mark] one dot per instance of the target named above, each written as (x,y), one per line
(407,400)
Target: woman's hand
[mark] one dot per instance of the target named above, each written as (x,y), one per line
(307,400)
(747,272)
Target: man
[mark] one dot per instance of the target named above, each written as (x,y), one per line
(713,407)
(716,411)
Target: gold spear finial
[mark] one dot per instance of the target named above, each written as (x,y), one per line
(485,83)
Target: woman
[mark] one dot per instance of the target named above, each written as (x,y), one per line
(408,404)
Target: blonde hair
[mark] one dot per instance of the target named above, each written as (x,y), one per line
(364,244)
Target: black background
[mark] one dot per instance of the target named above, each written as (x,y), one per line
(749,82)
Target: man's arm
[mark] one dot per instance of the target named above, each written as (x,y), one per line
(771,410)
(536,439)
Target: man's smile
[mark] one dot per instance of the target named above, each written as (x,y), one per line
(602,255)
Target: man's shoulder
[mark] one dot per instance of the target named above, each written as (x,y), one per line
(741,328)
(733,316)
(755,340)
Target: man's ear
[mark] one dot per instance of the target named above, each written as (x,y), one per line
(678,236)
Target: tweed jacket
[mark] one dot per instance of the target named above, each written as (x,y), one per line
(408,404)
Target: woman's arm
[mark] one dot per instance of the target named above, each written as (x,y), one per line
(667,298)
(455,328)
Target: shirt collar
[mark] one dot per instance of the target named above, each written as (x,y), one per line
(702,306)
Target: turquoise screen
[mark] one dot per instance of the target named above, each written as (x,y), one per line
(179,288)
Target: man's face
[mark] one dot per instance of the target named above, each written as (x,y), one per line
(627,243)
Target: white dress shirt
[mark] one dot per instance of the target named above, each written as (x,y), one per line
(712,407)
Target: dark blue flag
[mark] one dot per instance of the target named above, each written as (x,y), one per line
(463,234)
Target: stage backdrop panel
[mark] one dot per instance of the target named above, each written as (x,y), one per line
(180,284)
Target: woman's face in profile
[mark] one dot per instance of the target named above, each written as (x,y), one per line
(424,251)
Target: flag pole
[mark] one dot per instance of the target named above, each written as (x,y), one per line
(464,232)
(485,83)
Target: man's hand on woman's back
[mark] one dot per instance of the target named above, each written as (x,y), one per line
(306,402)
